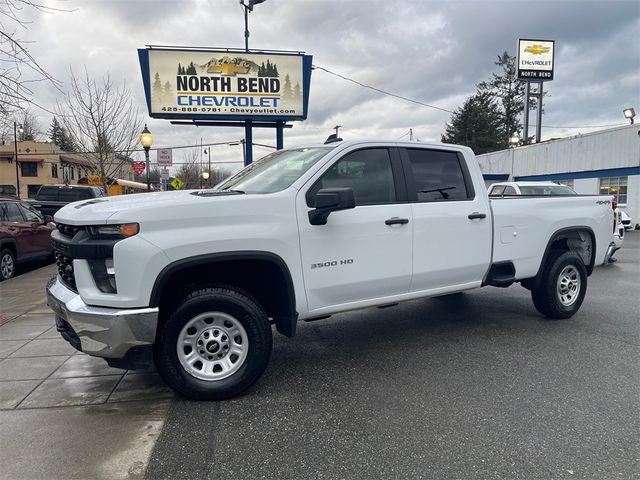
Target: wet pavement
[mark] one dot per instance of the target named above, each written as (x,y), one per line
(82,418)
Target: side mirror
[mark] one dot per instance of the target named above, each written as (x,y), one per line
(330,200)
(48,219)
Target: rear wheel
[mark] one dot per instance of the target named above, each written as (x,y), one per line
(7,264)
(563,286)
(215,344)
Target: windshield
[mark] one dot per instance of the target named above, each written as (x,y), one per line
(275,172)
(546,190)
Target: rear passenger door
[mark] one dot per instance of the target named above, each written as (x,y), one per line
(365,252)
(451,221)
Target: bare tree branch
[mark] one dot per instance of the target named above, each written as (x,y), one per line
(18,67)
(100,118)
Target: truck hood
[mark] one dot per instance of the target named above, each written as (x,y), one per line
(137,207)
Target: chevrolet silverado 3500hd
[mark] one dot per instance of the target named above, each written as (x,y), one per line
(194,279)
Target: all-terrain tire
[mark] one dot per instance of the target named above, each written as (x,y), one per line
(194,335)
(563,286)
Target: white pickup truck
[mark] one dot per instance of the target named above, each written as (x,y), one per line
(195,279)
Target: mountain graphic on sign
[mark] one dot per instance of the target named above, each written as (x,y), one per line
(229,66)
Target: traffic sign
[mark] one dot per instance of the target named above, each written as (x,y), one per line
(177,184)
(165,157)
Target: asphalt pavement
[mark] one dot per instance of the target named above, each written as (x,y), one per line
(478,386)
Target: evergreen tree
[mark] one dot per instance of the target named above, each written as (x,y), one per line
(55,132)
(59,136)
(275,71)
(180,69)
(166,91)
(509,93)
(156,88)
(191,69)
(286,88)
(262,71)
(478,124)
(296,92)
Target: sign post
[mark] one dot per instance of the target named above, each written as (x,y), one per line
(535,65)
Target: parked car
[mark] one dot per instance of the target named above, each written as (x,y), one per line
(25,235)
(195,279)
(625,219)
(51,198)
(507,189)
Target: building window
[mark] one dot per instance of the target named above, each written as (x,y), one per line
(29,169)
(72,173)
(54,170)
(616,186)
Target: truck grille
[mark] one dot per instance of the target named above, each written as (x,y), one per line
(65,270)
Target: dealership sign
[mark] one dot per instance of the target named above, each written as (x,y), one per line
(535,59)
(225,85)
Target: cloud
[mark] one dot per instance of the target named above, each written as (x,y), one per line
(434,52)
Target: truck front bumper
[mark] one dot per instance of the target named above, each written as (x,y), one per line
(124,337)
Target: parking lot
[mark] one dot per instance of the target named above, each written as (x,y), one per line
(474,386)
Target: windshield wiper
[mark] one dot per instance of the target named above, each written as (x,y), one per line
(441,191)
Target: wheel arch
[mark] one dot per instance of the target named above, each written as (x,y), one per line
(566,239)
(264,275)
(11,244)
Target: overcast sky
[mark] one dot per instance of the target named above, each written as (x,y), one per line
(434,52)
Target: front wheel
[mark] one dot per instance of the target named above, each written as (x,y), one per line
(215,345)
(563,286)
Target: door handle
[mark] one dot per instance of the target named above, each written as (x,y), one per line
(396,221)
(474,215)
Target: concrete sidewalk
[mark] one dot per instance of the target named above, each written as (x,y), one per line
(83,418)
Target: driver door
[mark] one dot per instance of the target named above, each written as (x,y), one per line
(365,252)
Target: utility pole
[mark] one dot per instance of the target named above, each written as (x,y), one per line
(15,145)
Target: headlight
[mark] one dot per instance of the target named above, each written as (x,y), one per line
(114,231)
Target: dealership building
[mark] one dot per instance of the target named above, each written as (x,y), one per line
(603,162)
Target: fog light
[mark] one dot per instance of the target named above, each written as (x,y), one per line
(111,273)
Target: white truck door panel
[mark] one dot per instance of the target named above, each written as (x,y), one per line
(449,247)
(356,255)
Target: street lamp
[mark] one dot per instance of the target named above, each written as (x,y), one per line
(514,140)
(205,176)
(207,152)
(17,129)
(629,113)
(146,139)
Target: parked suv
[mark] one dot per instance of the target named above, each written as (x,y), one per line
(25,234)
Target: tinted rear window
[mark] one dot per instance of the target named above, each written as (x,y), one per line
(438,175)
(74,194)
(48,193)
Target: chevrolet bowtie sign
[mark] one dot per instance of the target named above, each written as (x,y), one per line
(225,85)
(535,60)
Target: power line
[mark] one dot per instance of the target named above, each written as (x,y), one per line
(31,154)
(379,90)
(407,99)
